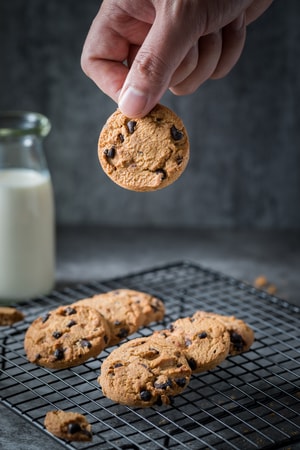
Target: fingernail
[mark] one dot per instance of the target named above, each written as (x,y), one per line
(132,102)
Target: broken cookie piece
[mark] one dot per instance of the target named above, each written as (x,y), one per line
(70,426)
(9,315)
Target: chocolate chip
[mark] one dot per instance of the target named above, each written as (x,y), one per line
(57,334)
(164,385)
(192,363)
(162,172)
(118,365)
(163,334)
(84,343)
(69,311)
(181,382)
(171,399)
(188,342)
(179,160)
(131,126)
(71,323)
(176,134)
(74,428)
(145,396)
(237,341)
(155,306)
(123,333)
(59,354)
(110,152)
(121,137)
(202,335)
(159,401)
(154,350)
(46,317)
(87,433)
(145,365)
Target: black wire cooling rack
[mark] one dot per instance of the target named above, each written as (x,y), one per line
(251,401)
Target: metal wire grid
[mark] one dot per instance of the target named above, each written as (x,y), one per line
(249,402)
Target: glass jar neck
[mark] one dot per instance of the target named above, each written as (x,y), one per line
(22,123)
(21,140)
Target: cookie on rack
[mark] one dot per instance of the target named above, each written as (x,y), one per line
(144,372)
(66,337)
(241,334)
(144,154)
(10,315)
(126,310)
(206,341)
(68,425)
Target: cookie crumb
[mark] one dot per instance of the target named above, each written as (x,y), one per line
(260,282)
(271,289)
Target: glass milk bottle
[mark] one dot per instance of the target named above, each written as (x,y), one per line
(27,236)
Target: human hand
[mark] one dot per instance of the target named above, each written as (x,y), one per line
(136,51)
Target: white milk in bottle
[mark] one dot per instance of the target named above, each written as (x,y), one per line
(27,216)
(26,234)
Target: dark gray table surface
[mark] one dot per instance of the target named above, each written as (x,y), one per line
(91,253)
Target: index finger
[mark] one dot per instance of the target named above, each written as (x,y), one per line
(108,49)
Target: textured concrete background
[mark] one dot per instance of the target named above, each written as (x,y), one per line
(244,170)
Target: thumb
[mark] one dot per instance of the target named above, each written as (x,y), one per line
(152,69)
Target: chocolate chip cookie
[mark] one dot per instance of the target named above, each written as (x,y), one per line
(68,425)
(126,310)
(144,372)
(144,154)
(241,334)
(10,315)
(66,337)
(206,341)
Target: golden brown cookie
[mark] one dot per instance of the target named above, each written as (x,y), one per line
(241,334)
(66,337)
(144,154)
(70,426)
(125,310)
(144,372)
(206,341)
(9,315)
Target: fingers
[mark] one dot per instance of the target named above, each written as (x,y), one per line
(256,9)
(154,65)
(187,66)
(218,53)
(107,53)
(209,52)
(135,55)
(233,40)
(212,57)
(108,74)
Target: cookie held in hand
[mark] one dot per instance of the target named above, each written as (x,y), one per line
(144,154)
